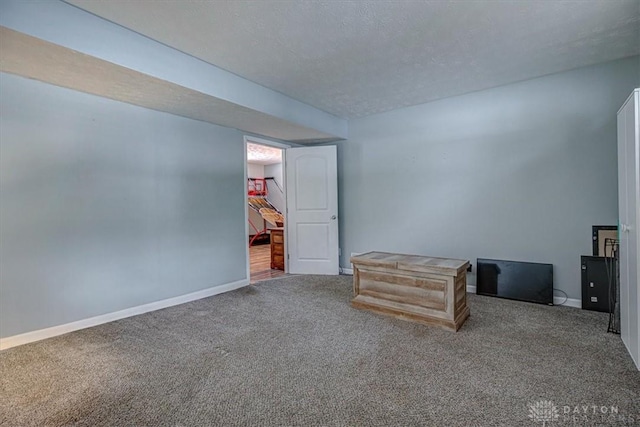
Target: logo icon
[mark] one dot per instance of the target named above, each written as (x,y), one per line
(543,411)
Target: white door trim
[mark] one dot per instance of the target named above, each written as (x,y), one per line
(262,141)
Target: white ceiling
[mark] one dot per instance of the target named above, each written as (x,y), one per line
(355,58)
(263,155)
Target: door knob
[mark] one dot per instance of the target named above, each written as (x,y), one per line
(333,217)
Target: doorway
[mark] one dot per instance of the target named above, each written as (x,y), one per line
(300,183)
(266,205)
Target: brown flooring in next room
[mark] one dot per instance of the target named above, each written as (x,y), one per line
(261,264)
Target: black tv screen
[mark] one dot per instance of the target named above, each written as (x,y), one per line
(524,281)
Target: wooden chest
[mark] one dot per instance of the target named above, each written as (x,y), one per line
(411,287)
(277,248)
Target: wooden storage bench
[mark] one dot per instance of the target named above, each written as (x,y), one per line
(411,287)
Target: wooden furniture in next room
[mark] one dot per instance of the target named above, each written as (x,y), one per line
(277,248)
(411,287)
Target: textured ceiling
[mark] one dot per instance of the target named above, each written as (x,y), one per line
(263,155)
(355,58)
(34,58)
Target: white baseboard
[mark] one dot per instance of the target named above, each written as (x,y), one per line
(344,270)
(53,331)
(570,302)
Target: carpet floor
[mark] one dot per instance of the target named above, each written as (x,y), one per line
(292,351)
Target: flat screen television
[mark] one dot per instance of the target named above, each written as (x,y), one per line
(524,281)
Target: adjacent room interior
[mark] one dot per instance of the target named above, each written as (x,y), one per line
(266,204)
(319,213)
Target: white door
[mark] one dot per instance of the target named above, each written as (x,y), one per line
(628,198)
(312,210)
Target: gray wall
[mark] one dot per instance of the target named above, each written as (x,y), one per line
(518,172)
(106,206)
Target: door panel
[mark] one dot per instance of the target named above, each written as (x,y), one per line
(312,205)
(629,206)
(632,230)
(623,237)
(311,183)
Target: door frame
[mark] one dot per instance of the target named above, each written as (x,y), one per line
(261,141)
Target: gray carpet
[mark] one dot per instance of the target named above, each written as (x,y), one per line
(293,352)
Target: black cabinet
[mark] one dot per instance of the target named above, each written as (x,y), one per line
(597,274)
